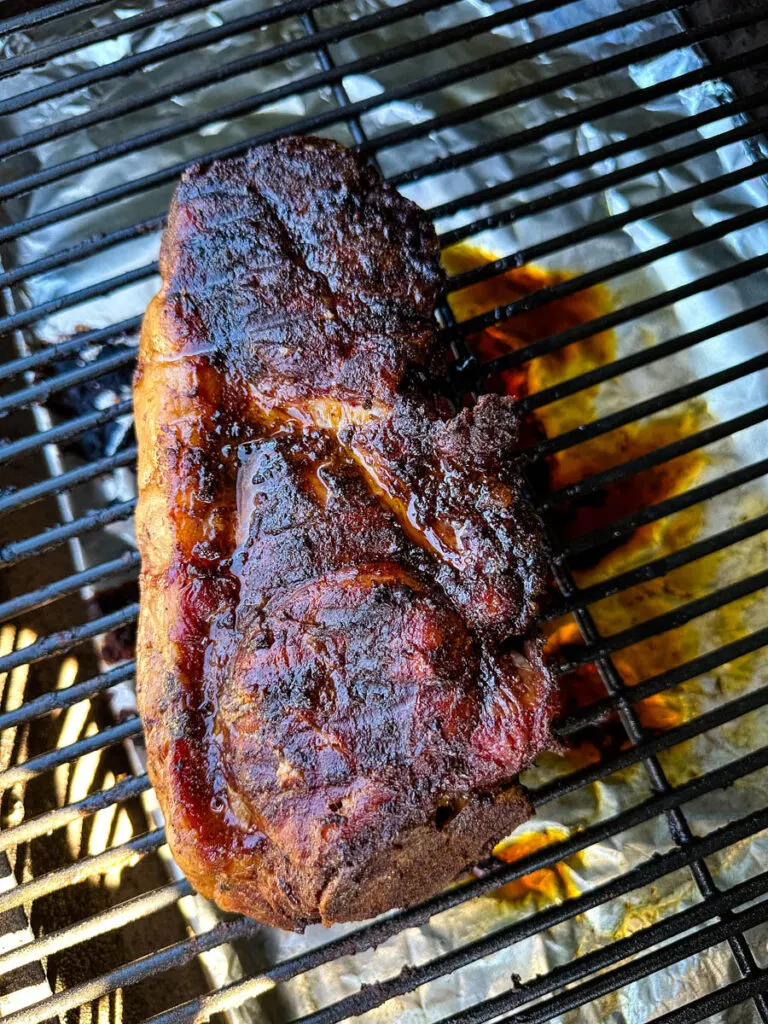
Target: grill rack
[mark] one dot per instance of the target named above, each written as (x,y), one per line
(716,906)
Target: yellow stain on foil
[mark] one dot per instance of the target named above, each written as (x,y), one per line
(547,885)
(652,907)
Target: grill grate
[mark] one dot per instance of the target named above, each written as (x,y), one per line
(58,179)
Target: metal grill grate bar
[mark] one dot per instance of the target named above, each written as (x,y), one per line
(66,431)
(596,711)
(640,968)
(125,564)
(668,158)
(616,104)
(197,41)
(669,620)
(645,211)
(487,272)
(126,789)
(68,44)
(377,933)
(65,481)
(641,410)
(294,47)
(226,931)
(58,643)
(35,766)
(75,344)
(56,700)
(663,565)
(707,1006)
(56,535)
(375,995)
(22,22)
(646,748)
(668,452)
(103,241)
(625,315)
(116,856)
(405,92)
(627,524)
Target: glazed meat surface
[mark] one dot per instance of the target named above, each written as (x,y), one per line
(336,671)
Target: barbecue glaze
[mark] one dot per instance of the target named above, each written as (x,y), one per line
(336,668)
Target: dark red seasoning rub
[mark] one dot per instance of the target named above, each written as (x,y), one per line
(337,663)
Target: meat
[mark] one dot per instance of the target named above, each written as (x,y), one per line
(337,671)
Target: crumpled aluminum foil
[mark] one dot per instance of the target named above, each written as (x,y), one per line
(690,979)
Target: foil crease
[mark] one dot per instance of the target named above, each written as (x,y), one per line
(671,987)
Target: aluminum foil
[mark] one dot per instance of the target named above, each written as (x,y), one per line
(491,975)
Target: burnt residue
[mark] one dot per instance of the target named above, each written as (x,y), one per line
(99,393)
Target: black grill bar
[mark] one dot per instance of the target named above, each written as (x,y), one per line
(126,563)
(640,744)
(616,104)
(374,995)
(707,1006)
(596,711)
(230,29)
(105,240)
(625,315)
(65,431)
(30,316)
(56,700)
(409,91)
(73,345)
(617,269)
(645,749)
(298,87)
(54,881)
(485,273)
(68,44)
(65,481)
(619,220)
(273,55)
(226,931)
(381,930)
(562,81)
(544,175)
(42,392)
(121,915)
(640,410)
(667,452)
(25,21)
(126,789)
(639,968)
(635,360)
(664,564)
(90,247)
(174,956)
(35,766)
(628,524)
(668,620)
(66,639)
(36,545)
